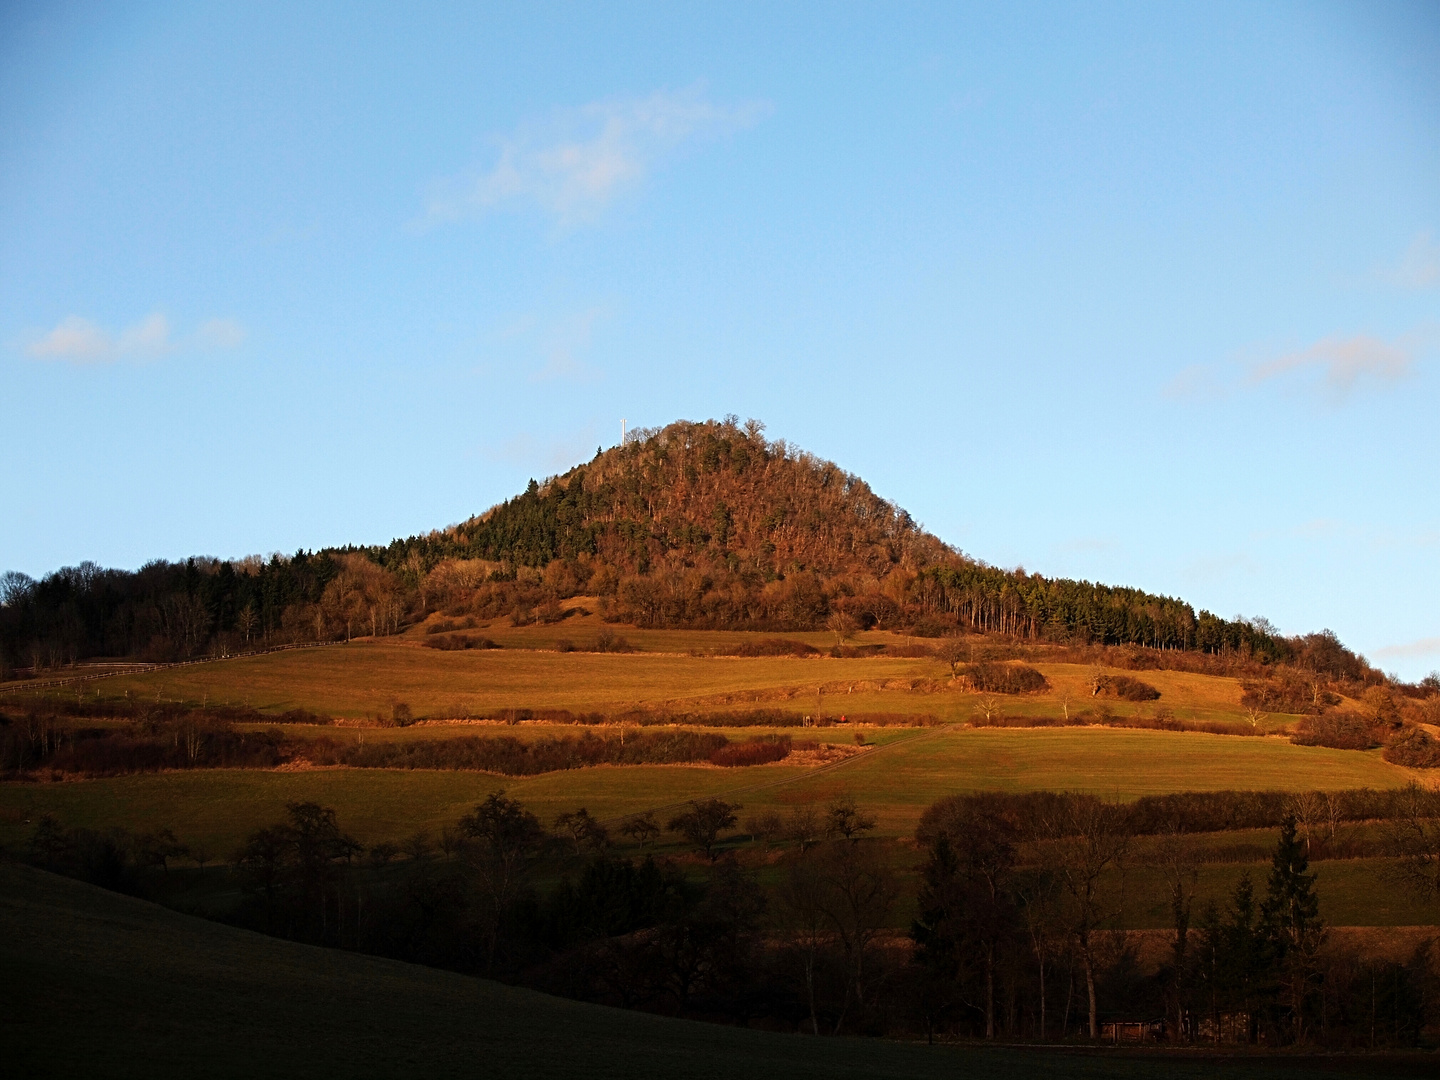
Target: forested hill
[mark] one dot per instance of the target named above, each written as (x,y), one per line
(712,496)
(709,524)
(692,525)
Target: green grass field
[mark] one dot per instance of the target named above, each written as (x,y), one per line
(216,808)
(93,984)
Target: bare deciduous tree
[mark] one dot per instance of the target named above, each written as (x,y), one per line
(1084,839)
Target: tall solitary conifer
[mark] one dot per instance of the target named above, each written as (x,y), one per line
(1291,913)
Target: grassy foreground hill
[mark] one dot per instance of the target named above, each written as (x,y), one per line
(95,984)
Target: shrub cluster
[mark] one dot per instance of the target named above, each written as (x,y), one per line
(1414,748)
(1288,691)
(457,642)
(1125,688)
(912,652)
(102,752)
(760,751)
(607,642)
(1045,813)
(772,646)
(514,757)
(1339,731)
(992,678)
(445,626)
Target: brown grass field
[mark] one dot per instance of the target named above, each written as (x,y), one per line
(364,679)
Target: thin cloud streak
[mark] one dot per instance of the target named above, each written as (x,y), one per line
(573,165)
(1337,365)
(1419,267)
(74,339)
(78,340)
(1342,362)
(1423,647)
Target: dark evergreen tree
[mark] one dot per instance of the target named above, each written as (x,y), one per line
(1291,914)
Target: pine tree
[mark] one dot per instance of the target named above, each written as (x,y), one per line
(1291,914)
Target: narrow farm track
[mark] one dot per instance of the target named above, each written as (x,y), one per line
(769,785)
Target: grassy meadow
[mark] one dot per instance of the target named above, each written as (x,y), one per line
(896,780)
(366,679)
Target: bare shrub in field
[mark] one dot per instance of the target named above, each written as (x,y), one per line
(988,678)
(610,642)
(1124,688)
(910,652)
(445,626)
(514,757)
(755,752)
(1413,747)
(1288,690)
(458,642)
(1339,731)
(988,712)
(773,647)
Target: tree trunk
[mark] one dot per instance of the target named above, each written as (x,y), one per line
(810,991)
(990,994)
(1090,990)
(1042,1000)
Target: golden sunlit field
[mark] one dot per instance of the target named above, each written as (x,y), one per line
(363,679)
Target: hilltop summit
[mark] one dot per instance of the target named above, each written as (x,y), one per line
(710,525)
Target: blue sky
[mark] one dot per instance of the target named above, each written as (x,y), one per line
(1148,294)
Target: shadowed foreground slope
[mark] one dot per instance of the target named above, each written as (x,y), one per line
(97,984)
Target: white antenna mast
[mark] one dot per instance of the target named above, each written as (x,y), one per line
(622,431)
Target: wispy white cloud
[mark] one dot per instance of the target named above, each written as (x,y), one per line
(1338,366)
(1418,268)
(149,337)
(74,339)
(1423,647)
(81,341)
(1342,362)
(220,334)
(575,163)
